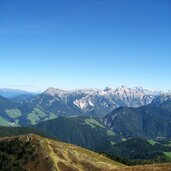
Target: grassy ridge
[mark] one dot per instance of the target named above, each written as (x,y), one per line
(32,152)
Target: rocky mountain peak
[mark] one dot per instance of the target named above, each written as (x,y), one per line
(54,91)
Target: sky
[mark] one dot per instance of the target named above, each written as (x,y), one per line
(85,44)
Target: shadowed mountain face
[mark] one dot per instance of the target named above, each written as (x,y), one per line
(163,102)
(149,121)
(161,99)
(137,151)
(83,131)
(31,152)
(14,131)
(6,103)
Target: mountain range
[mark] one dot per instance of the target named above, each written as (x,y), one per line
(150,121)
(10,93)
(93,101)
(128,125)
(28,109)
(96,102)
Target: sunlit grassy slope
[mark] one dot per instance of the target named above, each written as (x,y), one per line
(34,153)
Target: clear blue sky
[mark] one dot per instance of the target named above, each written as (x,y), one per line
(85,43)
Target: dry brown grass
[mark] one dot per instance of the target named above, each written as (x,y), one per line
(155,167)
(58,156)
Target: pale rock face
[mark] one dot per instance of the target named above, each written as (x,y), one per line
(54,92)
(101,101)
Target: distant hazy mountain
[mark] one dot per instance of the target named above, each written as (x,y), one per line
(23,97)
(92,101)
(9,93)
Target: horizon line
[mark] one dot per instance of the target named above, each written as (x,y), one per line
(40,90)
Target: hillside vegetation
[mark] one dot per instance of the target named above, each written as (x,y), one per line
(34,153)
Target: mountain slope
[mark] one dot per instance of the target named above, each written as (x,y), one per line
(31,152)
(83,131)
(6,103)
(131,152)
(14,131)
(22,97)
(91,133)
(149,121)
(162,98)
(14,113)
(154,167)
(34,153)
(136,151)
(163,101)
